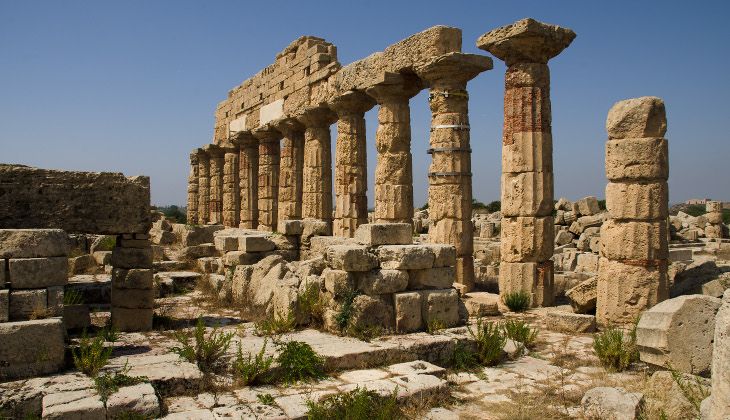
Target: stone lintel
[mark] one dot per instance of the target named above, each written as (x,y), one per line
(454,67)
(526,41)
(244,138)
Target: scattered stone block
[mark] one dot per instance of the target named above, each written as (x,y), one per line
(603,403)
(382,281)
(25,304)
(588,206)
(563,237)
(718,407)
(82,264)
(350,258)
(252,243)
(408,312)
(33,243)
(587,263)
(74,404)
(405,257)
(33,273)
(441,306)
(679,333)
(482,303)
(195,235)
(569,322)
(234,258)
(584,222)
(376,234)
(583,296)
(674,403)
(102,257)
(226,243)
(416,367)
(431,278)
(291,227)
(31,348)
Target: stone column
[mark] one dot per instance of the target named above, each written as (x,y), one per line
(248,176)
(394,168)
(231,195)
(216,184)
(714,227)
(351,201)
(450,176)
(268,194)
(317,172)
(527,158)
(632,270)
(203,187)
(192,209)
(290,170)
(132,298)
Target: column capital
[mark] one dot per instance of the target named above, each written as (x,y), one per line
(317,117)
(395,86)
(526,41)
(352,102)
(244,138)
(287,126)
(213,150)
(266,133)
(453,68)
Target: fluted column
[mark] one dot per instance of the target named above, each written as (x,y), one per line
(192,208)
(351,201)
(203,187)
(290,170)
(216,184)
(248,177)
(394,168)
(450,177)
(527,161)
(268,193)
(231,196)
(317,173)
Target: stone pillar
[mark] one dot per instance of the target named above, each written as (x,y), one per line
(394,168)
(351,201)
(231,195)
(132,300)
(450,176)
(216,184)
(203,187)
(268,176)
(192,209)
(248,176)
(290,170)
(714,228)
(527,158)
(317,173)
(632,270)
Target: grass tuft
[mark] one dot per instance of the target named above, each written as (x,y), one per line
(205,351)
(615,351)
(299,362)
(490,342)
(251,370)
(358,404)
(91,355)
(312,303)
(72,297)
(517,301)
(435,325)
(520,332)
(463,358)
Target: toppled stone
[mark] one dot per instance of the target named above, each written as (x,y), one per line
(482,303)
(139,399)
(569,322)
(606,403)
(588,206)
(718,407)
(441,306)
(291,227)
(583,296)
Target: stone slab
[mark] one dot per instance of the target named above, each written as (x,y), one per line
(375,234)
(31,273)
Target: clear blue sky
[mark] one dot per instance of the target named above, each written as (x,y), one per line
(131,86)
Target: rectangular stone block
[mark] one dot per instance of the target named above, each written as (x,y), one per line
(405,257)
(408,312)
(588,206)
(234,258)
(226,243)
(338,282)
(131,257)
(527,194)
(454,232)
(55,300)
(380,282)
(431,278)
(350,258)
(441,306)
(374,234)
(587,263)
(133,298)
(31,348)
(634,240)
(32,273)
(132,279)
(255,244)
(25,304)
(291,227)
(516,277)
(197,251)
(444,255)
(33,243)
(630,160)
(126,319)
(529,152)
(527,239)
(637,201)
(4,305)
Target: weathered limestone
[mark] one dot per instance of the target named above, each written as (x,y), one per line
(193,189)
(248,176)
(132,300)
(450,194)
(215,206)
(290,171)
(351,206)
(394,168)
(527,180)
(678,334)
(634,245)
(231,192)
(715,228)
(31,348)
(317,173)
(375,234)
(612,403)
(203,187)
(268,194)
(719,404)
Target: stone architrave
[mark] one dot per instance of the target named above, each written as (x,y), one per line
(268,194)
(527,168)
(351,202)
(290,170)
(394,167)
(450,188)
(203,186)
(216,183)
(632,273)
(317,172)
(192,209)
(231,195)
(248,177)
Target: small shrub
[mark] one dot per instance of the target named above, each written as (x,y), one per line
(463,358)
(72,297)
(313,303)
(520,332)
(358,404)
(435,325)
(250,370)
(343,317)
(109,333)
(615,351)
(299,362)
(490,342)
(277,324)
(206,352)
(517,301)
(91,355)
(266,399)
(109,383)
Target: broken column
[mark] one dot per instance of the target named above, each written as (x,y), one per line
(714,227)
(203,187)
(230,187)
(351,202)
(268,195)
(317,173)
(248,174)
(216,184)
(192,209)
(133,300)
(632,271)
(450,189)
(290,170)
(527,162)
